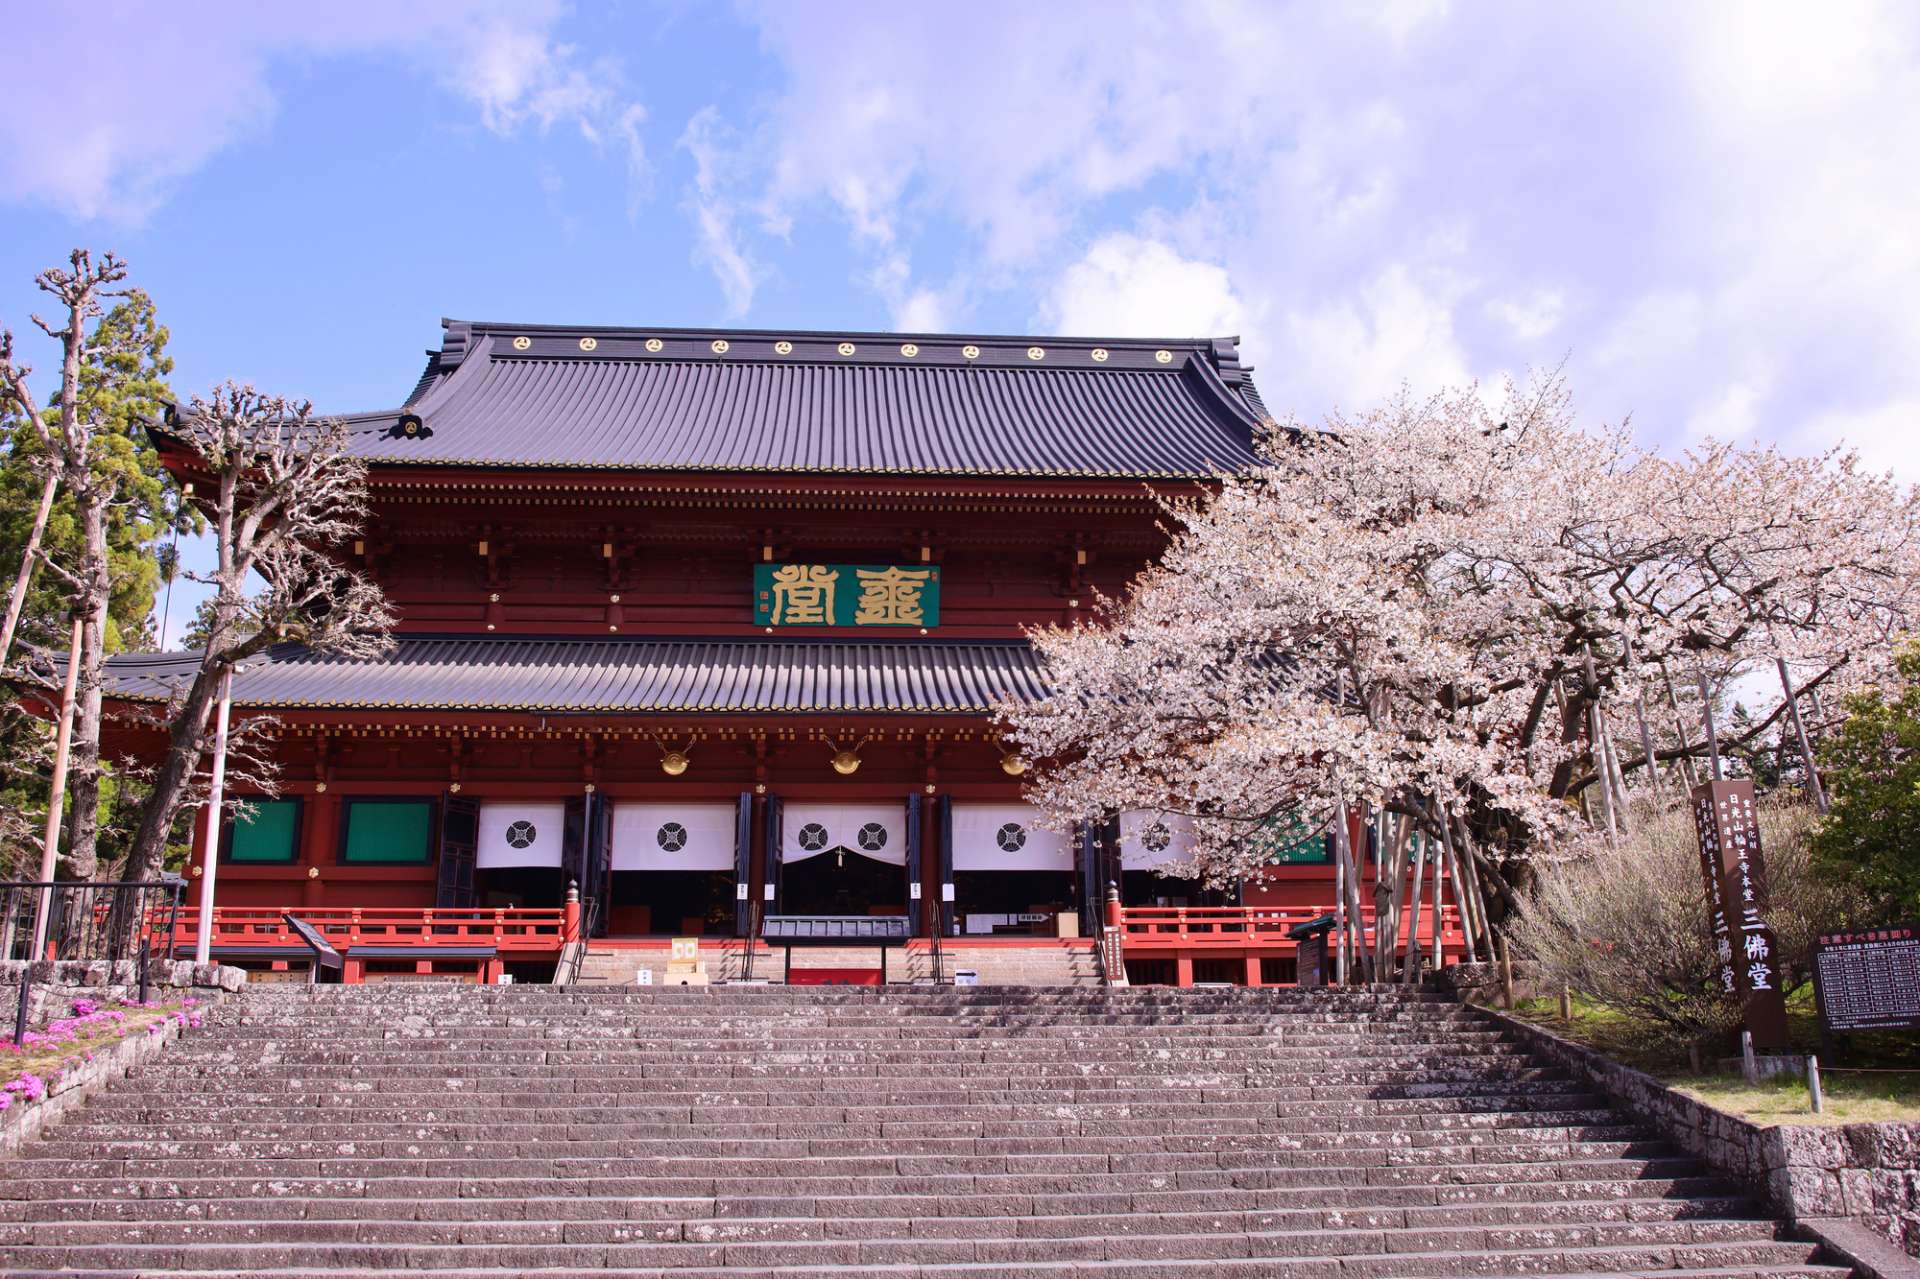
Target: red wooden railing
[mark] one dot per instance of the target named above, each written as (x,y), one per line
(519,930)
(1172,928)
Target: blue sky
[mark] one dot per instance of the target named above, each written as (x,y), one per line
(1707,211)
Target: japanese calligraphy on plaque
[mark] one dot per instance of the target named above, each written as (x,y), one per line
(1868,979)
(1735,880)
(846,595)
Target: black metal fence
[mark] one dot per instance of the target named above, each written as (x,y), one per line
(128,921)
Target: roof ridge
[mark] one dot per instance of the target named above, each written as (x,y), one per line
(459,330)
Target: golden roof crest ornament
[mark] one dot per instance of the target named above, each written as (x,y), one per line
(970,351)
(847,762)
(522,342)
(588,344)
(1099,355)
(909,350)
(720,346)
(1163,357)
(673,762)
(654,345)
(783,347)
(846,348)
(1036,353)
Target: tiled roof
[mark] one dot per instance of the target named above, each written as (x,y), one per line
(865,403)
(662,676)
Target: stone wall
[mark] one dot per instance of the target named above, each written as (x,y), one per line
(1806,1172)
(56,985)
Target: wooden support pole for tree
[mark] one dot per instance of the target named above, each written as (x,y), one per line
(1468,932)
(1360,965)
(1679,727)
(210,855)
(1339,899)
(17,600)
(1640,714)
(56,795)
(1713,735)
(1596,743)
(1412,970)
(1814,788)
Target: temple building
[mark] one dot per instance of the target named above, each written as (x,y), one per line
(710,624)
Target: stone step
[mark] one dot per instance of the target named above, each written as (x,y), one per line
(907,1133)
(1162,1269)
(1492,1251)
(73,1221)
(404,1159)
(786,1109)
(586,1176)
(1358,1202)
(1470,1128)
(69,1144)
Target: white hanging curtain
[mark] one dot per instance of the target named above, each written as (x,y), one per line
(1148,840)
(878,831)
(520,834)
(673,836)
(1006,837)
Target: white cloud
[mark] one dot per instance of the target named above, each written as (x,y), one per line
(1126,286)
(165,88)
(1706,211)
(1529,317)
(1354,351)
(716,241)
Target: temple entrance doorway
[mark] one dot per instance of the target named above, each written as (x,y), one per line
(674,870)
(1011,873)
(843,882)
(519,853)
(844,859)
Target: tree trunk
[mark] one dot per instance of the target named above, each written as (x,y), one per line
(83,787)
(185,745)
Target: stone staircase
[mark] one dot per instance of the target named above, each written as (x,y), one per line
(905,1133)
(1050,963)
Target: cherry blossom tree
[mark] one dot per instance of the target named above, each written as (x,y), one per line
(1439,612)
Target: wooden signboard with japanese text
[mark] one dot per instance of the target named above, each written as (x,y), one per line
(1868,979)
(854,595)
(1735,880)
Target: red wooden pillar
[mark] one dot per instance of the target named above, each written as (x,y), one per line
(318,838)
(1253,970)
(1183,969)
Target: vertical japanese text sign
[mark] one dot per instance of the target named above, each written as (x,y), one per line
(1736,886)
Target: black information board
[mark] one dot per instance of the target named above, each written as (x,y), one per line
(1868,979)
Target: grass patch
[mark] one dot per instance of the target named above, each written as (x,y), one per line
(1849,1098)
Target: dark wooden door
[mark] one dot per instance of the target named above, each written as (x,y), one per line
(459,845)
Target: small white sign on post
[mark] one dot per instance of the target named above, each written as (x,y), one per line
(966,977)
(644,977)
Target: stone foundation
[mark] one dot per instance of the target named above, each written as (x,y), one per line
(1870,1172)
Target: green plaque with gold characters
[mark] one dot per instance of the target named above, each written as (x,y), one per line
(846,595)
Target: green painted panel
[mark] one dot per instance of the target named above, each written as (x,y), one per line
(846,595)
(269,836)
(389,831)
(1287,841)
